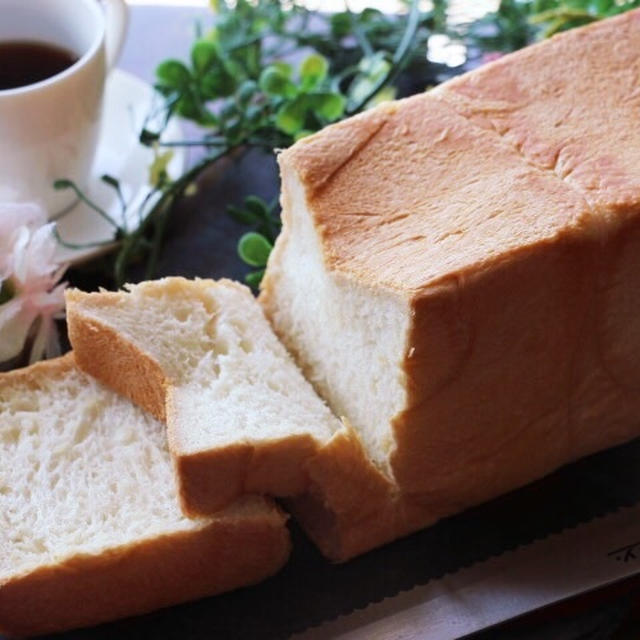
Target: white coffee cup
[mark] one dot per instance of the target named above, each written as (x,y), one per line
(49,130)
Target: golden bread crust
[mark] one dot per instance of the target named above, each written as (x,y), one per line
(210,480)
(108,357)
(85,590)
(379,224)
(38,374)
(570,106)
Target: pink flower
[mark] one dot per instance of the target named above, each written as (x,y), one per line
(29,275)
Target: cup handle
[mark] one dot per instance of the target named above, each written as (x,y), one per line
(116,20)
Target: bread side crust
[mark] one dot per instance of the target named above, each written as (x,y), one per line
(104,354)
(351,507)
(209,480)
(571,302)
(532,365)
(85,590)
(33,375)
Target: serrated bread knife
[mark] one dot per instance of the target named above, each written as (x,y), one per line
(563,565)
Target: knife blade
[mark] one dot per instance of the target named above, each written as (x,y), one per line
(565,564)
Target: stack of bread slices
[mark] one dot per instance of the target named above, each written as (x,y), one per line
(90,523)
(456,300)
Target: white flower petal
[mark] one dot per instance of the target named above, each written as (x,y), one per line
(17,261)
(46,342)
(18,214)
(13,216)
(53,343)
(41,252)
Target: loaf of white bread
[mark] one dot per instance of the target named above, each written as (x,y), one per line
(458,276)
(90,525)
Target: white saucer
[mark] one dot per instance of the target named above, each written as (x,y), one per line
(127,102)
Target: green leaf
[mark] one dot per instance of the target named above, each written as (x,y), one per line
(247,90)
(371,15)
(329,106)
(313,70)
(174,74)
(187,108)
(162,90)
(234,131)
(229,110)
(254,249)
(242,215)
(303,133)
(254,115)
(217,83)
(61,184)
(204,54)
(284,68)
(254,278)
(291,116)
(207,119)
(372,70)
(375,66)
(340,25)
(360,88)
(257,205)
(274,83)
(384,95)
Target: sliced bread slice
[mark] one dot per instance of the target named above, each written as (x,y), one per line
(90,526)
(201,355)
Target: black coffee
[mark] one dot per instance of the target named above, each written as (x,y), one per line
(25,62)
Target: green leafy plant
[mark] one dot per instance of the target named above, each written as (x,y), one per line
(560,16)
(517,23)
(255,246)
(254,249)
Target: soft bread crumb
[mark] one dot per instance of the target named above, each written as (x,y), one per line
(81,470)
(348,340)
(232,379)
